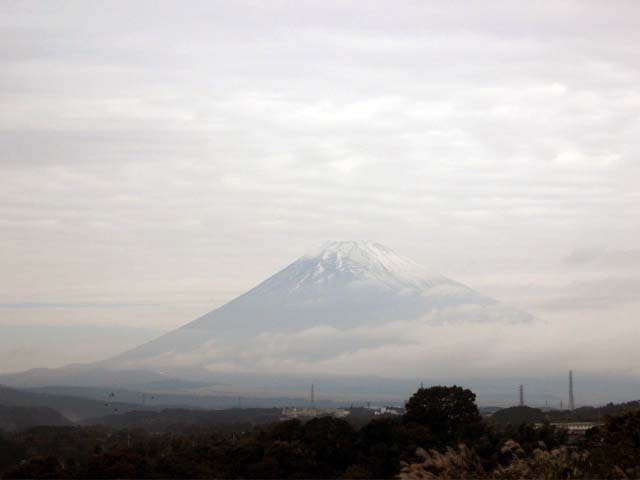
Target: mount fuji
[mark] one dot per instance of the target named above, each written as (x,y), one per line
(359,321)
(342,288)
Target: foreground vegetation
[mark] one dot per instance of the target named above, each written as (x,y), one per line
(441,436)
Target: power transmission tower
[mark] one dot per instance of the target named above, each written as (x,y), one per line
(313,397)
(572,404)
(521,391)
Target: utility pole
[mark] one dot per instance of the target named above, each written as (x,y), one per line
(572,404)
(521,391)
(313,397)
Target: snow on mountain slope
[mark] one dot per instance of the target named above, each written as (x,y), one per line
(344,286)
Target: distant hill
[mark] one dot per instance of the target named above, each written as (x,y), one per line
(518,415)
(20,418)
(178,419)
(151,399)
(73,408)
(80,375)
(489,410)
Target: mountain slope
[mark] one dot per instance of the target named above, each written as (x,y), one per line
(344,285)
(20,418)
(71,407)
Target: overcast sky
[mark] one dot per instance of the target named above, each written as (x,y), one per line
(160,158)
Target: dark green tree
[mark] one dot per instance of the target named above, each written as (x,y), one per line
(330,443)
(619,447)
(450,413)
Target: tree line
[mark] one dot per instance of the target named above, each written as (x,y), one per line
(441,435)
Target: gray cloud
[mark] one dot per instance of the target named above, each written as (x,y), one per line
(604,258)
(69,305)
(171,158)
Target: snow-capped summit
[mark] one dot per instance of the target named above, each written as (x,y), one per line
(342,285)
(341,268)
(367,261)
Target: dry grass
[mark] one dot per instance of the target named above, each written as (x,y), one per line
(463,463)
(454,463)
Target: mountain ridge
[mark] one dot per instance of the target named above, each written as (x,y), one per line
(342,285)
(342,301)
